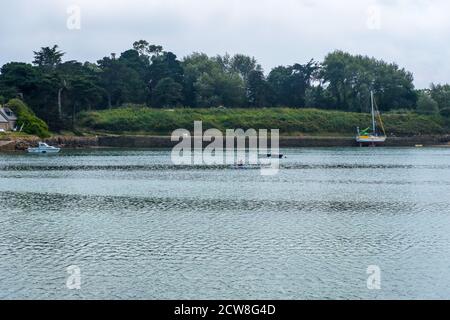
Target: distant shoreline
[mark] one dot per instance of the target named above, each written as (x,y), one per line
(141,141)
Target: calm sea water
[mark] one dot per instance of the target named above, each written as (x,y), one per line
(139,227)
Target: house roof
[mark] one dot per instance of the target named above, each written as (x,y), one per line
(2,119)
(8,114)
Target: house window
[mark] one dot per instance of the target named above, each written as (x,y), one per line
(8,112)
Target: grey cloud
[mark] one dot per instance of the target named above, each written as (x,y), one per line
(412,33)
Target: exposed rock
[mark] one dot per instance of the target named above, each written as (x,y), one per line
(7,146)
(22,145)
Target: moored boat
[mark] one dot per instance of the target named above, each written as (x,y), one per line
(44,148)
(371,136)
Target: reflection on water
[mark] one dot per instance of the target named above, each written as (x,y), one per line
(139,227)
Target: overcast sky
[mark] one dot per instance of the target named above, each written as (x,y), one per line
(413,33)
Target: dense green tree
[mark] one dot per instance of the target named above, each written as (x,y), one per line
(259,92)
(167,93)
(166,65)
(441,94)
(144,48)
(48,60)
(244,65)
(239,63)
(319,97)
(81,91)
(163,65)
(121,83)
(133,60)
(141,47)
(290,83)
(146,74)
(351,78)
(210,85)
(279,80)
(196,65)
(36,86)
(18,79)
(48,57)
(426,104)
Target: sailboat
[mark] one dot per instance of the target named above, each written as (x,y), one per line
(371,136)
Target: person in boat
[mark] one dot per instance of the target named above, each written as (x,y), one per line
(280,156)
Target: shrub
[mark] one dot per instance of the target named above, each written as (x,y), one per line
(400,111)
(427,105)
(26,118)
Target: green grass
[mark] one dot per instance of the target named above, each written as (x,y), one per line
(10,134)
(290,121)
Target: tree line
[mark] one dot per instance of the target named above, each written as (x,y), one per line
(57,90)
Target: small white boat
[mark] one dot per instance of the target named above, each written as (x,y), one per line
(44,148)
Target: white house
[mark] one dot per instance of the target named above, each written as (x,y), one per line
(8,119)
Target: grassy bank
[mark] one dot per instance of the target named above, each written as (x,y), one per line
(14,135)
(289,121)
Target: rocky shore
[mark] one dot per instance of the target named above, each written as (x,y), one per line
(72,142)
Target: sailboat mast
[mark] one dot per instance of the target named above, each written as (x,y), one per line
(374,126)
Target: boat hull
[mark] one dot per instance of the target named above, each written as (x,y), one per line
(43,151)
(371,140)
